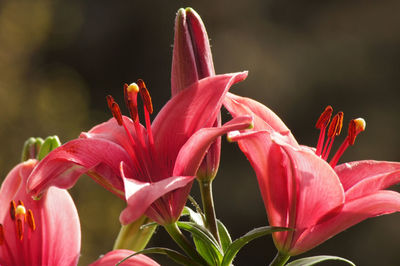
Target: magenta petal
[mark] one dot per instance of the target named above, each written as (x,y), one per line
(192,153)
(60,221)
(365,177)
(63,166)
(190,110)
(353,212)
(115,256)
(140,195)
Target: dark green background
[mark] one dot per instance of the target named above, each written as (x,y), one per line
(59,59)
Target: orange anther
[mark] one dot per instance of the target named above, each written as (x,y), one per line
(20,229)
(145,96)
(115,110)
(12,209)
(355,127)
(31,220)
(336,125)
(324,118)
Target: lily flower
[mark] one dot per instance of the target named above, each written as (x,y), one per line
(152,167)
(36,232)
(301,188)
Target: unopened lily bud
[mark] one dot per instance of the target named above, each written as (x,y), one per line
(49,144)
(31,148)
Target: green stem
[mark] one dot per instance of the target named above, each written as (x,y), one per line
(280,259)
(176,234)
(208,207)
(133,237)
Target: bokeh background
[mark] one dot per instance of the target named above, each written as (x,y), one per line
(59,59)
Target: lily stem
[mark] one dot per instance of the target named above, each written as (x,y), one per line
(280,259)
(176,234)
(208,207)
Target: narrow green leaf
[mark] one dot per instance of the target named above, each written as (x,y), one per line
(172,254)
(193,216)
(205,243)
(224,236)
(316,259)
(236,245)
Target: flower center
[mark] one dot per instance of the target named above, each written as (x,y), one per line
(142,141)
(20,216)
(324,147)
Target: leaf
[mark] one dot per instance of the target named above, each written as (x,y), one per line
(224,236)
(236,245)
(195,217)
(205,243)
(172,254)
(316,259)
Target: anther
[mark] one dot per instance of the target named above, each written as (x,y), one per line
(336,125)
(324,118)
(12,210)
(2,238)
(20,229)
(355,127)
(145,96)
(21,203)
(31,220)
(130,95)
(115,110)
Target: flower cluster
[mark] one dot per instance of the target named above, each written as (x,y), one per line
(152,165)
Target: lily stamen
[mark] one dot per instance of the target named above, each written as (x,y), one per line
(334,130)
(148,108)
(322,124)
(356,126)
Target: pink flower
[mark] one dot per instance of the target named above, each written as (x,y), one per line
(151,167)
(300,189)
(36,232)
(115,256)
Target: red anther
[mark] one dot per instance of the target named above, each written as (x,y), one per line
(20,229)
(12,209)
(2,238)
(115,110)
(31,220)
(355,127)
(336,125)
(145,96)
(324,118)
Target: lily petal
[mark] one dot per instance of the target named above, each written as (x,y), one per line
(64,165)
(353,212)
(140,195)
(192,109)
(115,256)
(361,178)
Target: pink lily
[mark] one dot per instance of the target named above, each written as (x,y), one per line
(115,256)
(36,232)
(151,167)
(300,189)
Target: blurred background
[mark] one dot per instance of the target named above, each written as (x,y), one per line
(59,59)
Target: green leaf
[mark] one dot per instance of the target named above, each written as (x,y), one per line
(224,236)
(195,217)
(205,243)
(236,245)
(316,259)
(172,254)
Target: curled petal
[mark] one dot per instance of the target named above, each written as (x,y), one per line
(140,195)
(64,165)
(353,212)
(361,178)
